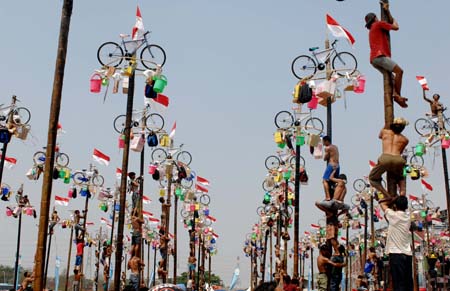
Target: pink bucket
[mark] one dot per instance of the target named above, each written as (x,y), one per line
(8,212)
(121,141)
(313,103)
(192,207)
(152,169)
(361,84)
(445,143)
(29,211)
(96,83)
(70,193)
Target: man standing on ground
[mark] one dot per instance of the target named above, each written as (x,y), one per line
(380,51)
(398,244)
(391,160)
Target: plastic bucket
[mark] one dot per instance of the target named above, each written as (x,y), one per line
(361,84)
(445,143)
(8,212)
(152,169)
(160,83)
(313,103)
(29,211)
(96,83)
(420,149)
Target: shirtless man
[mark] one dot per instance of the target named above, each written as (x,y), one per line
(435,106)
(322,262)
(135,264)
(340,190)
(391,160)
(53,220)
(28,279)
(77,222)
(136,235)
(134,188)
(332,159)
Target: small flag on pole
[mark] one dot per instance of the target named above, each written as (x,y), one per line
(201,188)
(61,201)
(202,181)
(118,173)
(100,157)
(172,132)
(146,213)
(372,164)
(213,219)
(146,200)
(153,220)
(315,226)
(412,197)
(425,185)
(9,162)
(104,220)
(138,26)
(338,31)
(423,82)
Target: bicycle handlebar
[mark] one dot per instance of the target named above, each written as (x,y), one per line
(334,42)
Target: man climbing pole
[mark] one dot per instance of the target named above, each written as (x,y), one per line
(380,50)
(391,160)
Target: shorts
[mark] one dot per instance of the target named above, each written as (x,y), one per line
(78,260)
(388,163)
(136,239)
(191,267)
(322,282)
(384,63)
(134,281)
(329,169)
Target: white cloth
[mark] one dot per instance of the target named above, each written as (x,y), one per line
(399,236)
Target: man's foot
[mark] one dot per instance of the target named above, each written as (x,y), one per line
(401,101)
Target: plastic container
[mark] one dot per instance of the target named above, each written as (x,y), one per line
(361,84)
(96,83)
(160,83)
(420,149)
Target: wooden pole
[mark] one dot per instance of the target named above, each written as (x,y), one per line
(66,285)
(175,246)
(296,206)
(86,207)
(51,144)
(123,184)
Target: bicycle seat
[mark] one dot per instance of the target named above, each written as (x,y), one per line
(311,49)
(122,35)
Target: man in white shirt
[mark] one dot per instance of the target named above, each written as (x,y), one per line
(398,244)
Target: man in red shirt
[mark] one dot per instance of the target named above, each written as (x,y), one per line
(380,51)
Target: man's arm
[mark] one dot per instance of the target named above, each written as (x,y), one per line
(425,97)
(390,19)
(333,179)
(326,157)
(339,265)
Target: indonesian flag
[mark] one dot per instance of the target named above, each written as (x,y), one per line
(338,31)
(412,197)
(213,219)
(146,200)
(363,225)
(160,103)
(9,162)
(372,164)
(202,181)
(138,26)
(307,233)
(100,157)
(315,226)
(153,220)
(146,213)
(201,189)
(423,82)
(89,223)
(61,201)
(162,99)
(172,132)
(104,220)
(118,173)
(425,185)
(343,238)
(215,235)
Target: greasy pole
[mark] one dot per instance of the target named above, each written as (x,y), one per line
(296,202)
(123,184)
(66,284)
(329,99)
(175,238)
(140,202)
(387,77)
(51,144)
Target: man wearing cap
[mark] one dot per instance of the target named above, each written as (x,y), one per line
(380,51)
(391,160)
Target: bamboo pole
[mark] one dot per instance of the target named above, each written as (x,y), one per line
(51,144)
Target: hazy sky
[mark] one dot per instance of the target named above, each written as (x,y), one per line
(228,69)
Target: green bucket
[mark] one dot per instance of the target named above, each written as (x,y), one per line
(160,83)
(300,140)
(420,149)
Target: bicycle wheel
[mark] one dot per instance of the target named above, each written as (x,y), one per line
(79,178)
(447,121)
(266,187)
(416,160)
(110,54)
(39,158)
(159,155)
(345,64)
(204,199)
(163,183)
(187,183)
(154,122)
(429,204)
(184,157)
(359,185)
(314,125)
(423,127)
(98,180)
(21,115)
(184,213)
(284,119)
(356,199)
(415,204)
(261,210)
(303,66)
(272,162)
(153,55)
(119,123)
(62,159)
(292,162)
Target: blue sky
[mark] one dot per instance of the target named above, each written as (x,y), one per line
(228,66)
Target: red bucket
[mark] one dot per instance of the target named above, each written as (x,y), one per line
(96,83)
(313,103)
(361,84)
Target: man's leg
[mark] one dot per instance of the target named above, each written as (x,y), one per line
(398,72)
(398,265)
(375,179)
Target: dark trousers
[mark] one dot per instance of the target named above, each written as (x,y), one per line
(335,282)
(401,270)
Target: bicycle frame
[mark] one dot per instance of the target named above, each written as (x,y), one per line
(298,113)
(328,53)
(138,43)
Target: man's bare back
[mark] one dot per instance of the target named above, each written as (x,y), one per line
(393,144)
(136,223)
(134,264)
(332,154)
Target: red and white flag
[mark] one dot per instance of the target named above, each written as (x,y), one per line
(202,181)
(343,238)
(213,219)
(118,173)
(153,220)
(9,162)
(372,164)
(412,197)
(162,99)
(172,132)
(104,220)
(146,213)
(146,200)
(315,226)
(425,185)
(201,188)
(423,82)
(338,31)
(61,201)
(138,26)
(89,223)
(100,157)
(307,233)
(215,235)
